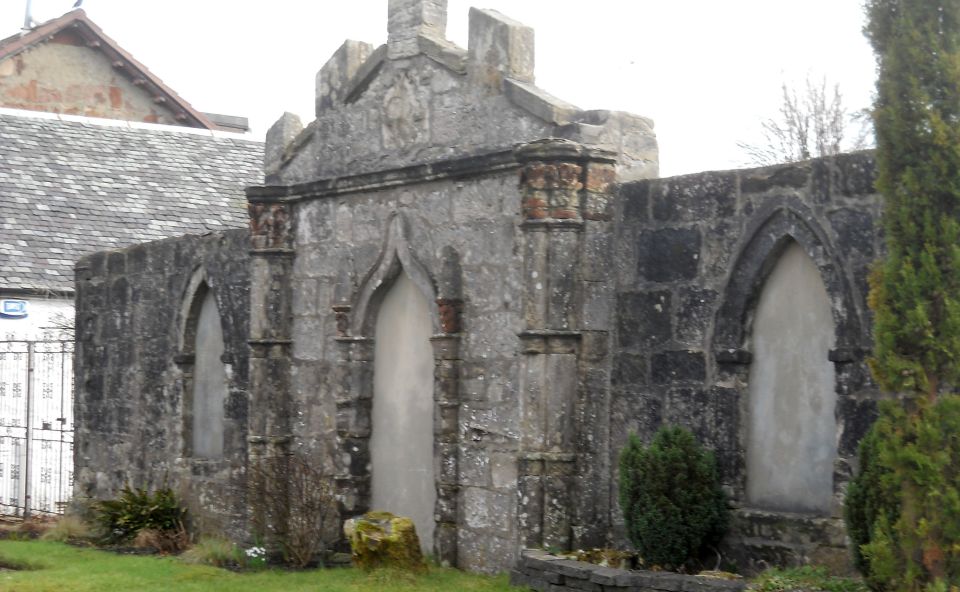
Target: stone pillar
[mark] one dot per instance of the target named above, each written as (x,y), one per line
(280,135)
(353,392)
(565,342)
(446,393)
(498,47)
(269,432)
(407,20)
(334,77)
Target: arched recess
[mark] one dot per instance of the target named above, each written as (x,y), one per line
(394,257)
(777,227)
(792,398)
(401,440)
(205,373)
(786,230)
(397,282)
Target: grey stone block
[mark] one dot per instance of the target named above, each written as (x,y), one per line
(669,254)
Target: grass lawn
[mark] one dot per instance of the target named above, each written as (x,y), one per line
(57,567)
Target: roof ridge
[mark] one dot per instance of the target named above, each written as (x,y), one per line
(123,123)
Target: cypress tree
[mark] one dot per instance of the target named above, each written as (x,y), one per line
(903,509)
(915,290)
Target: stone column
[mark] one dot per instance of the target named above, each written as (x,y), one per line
(269,432)
(565,340)
(353,391)
(446,393)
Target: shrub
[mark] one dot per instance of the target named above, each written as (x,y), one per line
(903,508)
(136,509)
(671,498)
(300,515)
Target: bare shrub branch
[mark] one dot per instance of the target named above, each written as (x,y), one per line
(810,125)
(300,514)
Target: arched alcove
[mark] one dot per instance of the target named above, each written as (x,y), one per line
(205,373)
(791,440)
(402,438)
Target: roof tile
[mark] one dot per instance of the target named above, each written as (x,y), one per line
(109,187)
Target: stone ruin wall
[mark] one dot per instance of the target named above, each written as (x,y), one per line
(339,240)
(411,158)
(568,310)
(536,388)
(692,254)
(133,373)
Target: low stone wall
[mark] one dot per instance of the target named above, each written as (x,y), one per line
(547,573)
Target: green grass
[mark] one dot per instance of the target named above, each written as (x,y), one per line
(56,567)
(811,579)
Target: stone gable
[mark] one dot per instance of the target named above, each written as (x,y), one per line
(420,98)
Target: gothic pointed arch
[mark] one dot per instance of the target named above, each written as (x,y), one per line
(202,362)
(774,229)
(395,256)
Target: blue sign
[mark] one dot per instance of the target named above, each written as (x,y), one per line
(13,309)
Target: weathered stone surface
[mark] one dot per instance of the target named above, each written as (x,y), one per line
(701,360)
(134,377)
(644,318)
(669,254)
(422,99)
(540,571)
(677,366)
(381,539)
(564,310)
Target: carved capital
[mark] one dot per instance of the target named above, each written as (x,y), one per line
(560,180)
(270,226)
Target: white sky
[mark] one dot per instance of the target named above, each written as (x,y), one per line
(707,71)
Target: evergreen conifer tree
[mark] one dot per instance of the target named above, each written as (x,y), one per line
(903,509)
(915,292)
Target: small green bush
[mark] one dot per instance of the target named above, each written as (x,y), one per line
(671,498)
(903,508)
(135,510)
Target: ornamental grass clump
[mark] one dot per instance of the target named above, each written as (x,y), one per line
(671,498)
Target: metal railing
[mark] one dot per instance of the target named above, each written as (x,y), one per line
(36,426)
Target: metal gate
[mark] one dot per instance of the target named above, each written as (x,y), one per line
(36,426)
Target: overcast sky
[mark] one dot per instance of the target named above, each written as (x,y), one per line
(706,71)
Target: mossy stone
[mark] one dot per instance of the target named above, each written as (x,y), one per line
(381,539)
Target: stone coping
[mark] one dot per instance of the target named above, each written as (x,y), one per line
(548,573)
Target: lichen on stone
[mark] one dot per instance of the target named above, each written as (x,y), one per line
(381,539)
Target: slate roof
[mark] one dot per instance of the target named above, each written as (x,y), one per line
(70,186)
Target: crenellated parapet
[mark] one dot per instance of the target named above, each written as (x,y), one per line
(420,98)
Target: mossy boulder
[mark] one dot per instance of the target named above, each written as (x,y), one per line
(381,539)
